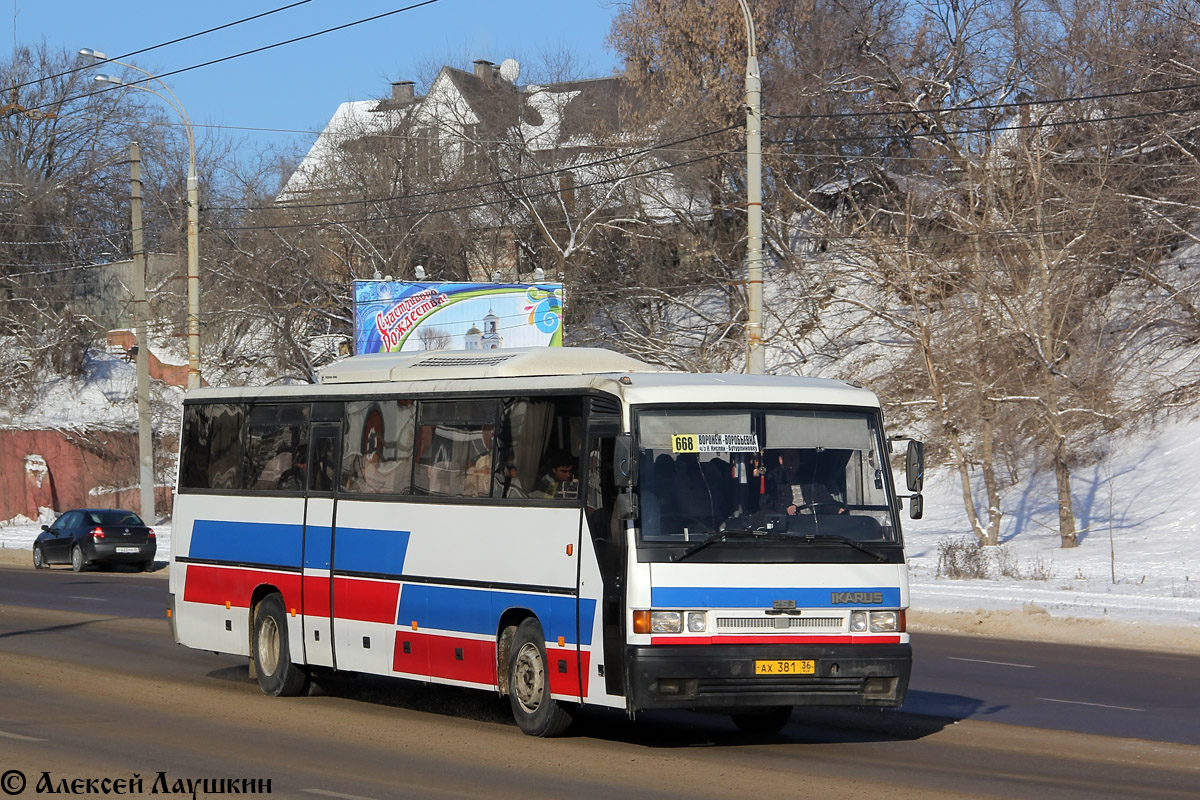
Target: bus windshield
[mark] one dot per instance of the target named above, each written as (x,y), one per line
(763,475)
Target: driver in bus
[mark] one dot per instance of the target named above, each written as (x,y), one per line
(794,487)
(558,480)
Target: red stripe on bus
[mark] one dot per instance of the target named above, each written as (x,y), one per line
(316,596)
(411,655)
(365,601)
(474,661)
(447,657)
(572,661)
(218,586)
(775,640)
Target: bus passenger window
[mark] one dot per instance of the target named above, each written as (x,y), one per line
(454,448)
(378,447)
(532,434)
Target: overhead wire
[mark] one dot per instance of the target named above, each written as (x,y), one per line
(142,50)
(252,51)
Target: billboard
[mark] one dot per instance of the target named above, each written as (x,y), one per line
(396,316)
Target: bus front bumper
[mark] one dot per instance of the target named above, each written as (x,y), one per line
(724,677)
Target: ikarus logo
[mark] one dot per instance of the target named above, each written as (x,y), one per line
(855,598)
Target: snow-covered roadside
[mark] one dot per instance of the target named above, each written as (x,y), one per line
(1138,558)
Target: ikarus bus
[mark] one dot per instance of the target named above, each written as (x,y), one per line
(563,526)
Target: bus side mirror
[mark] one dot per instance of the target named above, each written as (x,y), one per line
(916,506)
(625,461)
(627,506)
(914,466)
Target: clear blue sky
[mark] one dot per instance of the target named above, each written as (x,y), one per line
(298,86)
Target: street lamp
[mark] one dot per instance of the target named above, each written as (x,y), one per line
(756,360)
(193,207)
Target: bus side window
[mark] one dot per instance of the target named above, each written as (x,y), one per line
(378,444)
(454,448)
(211,449)
(530,432)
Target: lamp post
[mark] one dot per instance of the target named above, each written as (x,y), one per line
(756,360)
(193,207)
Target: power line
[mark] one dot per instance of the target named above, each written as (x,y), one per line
(20,86)
(253,51)
(993,106)
(498,182)
(465,207)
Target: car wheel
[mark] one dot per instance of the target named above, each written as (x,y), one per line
(536,712)
(77,564)
(39,559)
(762,722)
(277,675)
(145,566)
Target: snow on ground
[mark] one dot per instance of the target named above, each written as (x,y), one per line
(1138,559)
(105,398)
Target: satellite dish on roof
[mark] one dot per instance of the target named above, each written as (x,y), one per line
(510,69)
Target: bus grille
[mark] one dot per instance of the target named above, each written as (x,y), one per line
(780,623)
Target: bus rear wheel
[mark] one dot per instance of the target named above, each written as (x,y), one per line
(277,675)
(536,712)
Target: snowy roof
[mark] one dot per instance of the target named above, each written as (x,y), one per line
(352,120)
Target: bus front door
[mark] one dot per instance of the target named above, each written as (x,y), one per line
(324,450)
(608,542)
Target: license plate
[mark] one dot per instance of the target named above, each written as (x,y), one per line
(128,550)
(805,667)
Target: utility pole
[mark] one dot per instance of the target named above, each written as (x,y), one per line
(193,270)
(756,359)
(141,311)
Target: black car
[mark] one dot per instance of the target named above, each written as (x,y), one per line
(102,536)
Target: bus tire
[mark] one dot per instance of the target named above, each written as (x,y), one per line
(762,722)
(536,712)
(277,675)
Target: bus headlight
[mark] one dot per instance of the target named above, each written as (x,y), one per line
(876,621)
(884,622)
(696,622)
(666,621)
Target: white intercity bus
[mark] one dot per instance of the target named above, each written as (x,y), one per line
(564,526)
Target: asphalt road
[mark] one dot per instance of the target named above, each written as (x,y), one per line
(97,689)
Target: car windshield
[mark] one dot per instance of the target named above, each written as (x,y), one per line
(114,517)
(797,475)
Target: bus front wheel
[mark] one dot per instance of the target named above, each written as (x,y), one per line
(277,675)
(536,712)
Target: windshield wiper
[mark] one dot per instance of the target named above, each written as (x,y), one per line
(718,536)
(810,538)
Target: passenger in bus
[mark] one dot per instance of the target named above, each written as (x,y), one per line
(292,478)
(698,496)
(658,488)
(558,476)
(795,486)
(477,482)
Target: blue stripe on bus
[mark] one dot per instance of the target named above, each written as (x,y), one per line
(764,597)
(370,550)
(477,611)
(247,542)
(317,540)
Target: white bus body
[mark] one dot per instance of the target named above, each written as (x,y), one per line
(389,520)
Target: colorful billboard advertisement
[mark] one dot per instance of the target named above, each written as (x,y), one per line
(395,316)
